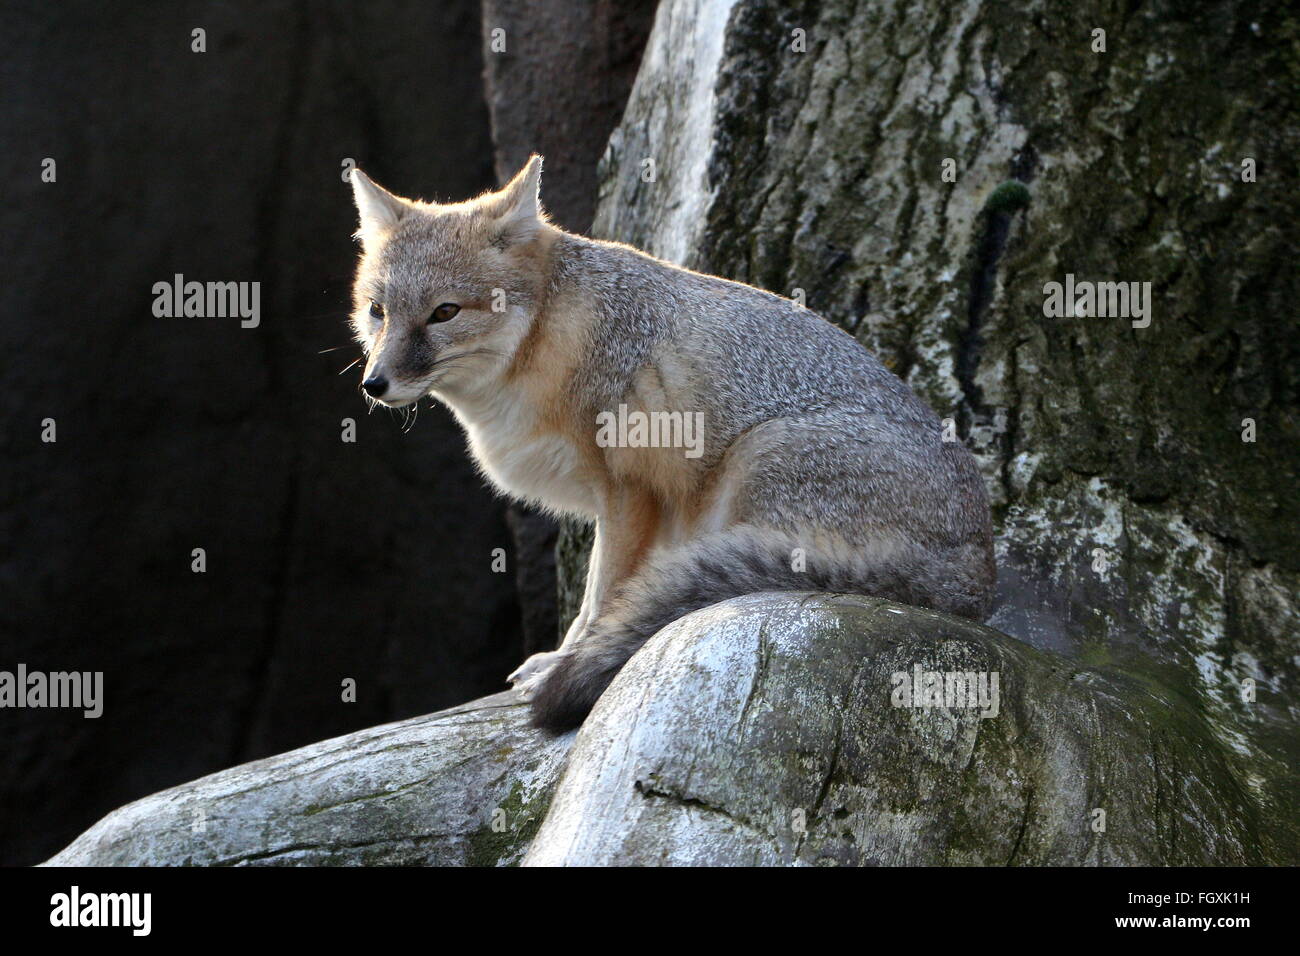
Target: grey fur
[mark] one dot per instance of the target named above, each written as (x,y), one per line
(851,454)
(820,469)
(730,564)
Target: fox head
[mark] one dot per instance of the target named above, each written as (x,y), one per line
(445,293)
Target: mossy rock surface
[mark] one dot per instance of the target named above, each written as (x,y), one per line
(466,786)
(763,730)
(1134,524)
(767,730)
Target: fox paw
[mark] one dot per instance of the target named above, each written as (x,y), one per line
(528,676)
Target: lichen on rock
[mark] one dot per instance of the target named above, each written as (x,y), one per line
(466,786)
(1135,523)
(768,730)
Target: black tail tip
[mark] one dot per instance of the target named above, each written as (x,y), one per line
(567,694)
(557,716)
(556,720)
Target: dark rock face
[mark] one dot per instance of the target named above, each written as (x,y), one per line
(325,560)
(557,75)
(535,536)
(805,150)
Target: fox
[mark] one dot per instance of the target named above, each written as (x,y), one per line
(816,467)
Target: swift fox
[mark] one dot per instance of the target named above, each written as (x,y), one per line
(815,469)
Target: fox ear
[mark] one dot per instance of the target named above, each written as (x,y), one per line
(379,209)
(517,207)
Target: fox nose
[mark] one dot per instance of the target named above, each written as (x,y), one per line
(375,386)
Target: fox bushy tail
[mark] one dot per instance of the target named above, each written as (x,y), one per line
(743,560)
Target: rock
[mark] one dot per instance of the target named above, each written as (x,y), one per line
(534,535)
(184,433)
(763,730)
(801,146)
(419,792)
(556,76)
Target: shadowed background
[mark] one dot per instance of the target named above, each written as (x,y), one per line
(325,560)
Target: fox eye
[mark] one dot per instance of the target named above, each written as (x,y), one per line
(444,312)
(376,311)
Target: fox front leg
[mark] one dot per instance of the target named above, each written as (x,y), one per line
(589,657)
(528,675)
